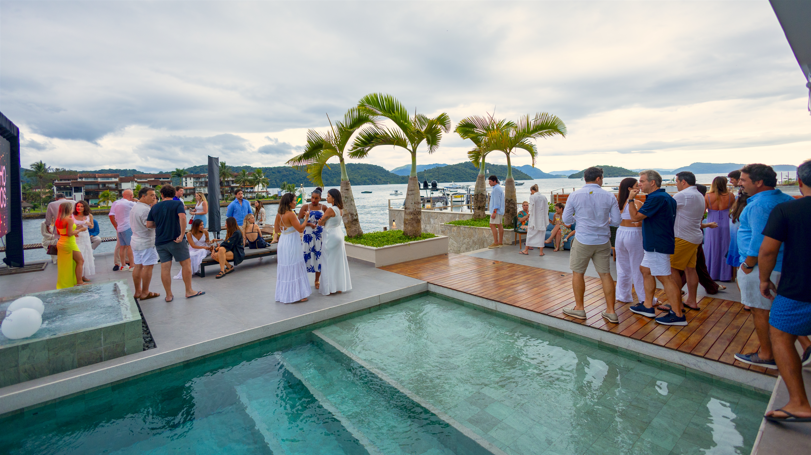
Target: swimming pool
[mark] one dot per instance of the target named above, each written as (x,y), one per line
(424,376)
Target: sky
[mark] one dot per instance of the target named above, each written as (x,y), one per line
(157,85)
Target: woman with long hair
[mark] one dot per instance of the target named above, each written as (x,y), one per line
(231,249)
(716,241)
(335,266)
(628,247)
(251,232)
(561,232)
(538,219)
(292,284)
(312,234)
(259,210)
(735,210)
(198,241)
(69,257)
(200,211)
(83,218)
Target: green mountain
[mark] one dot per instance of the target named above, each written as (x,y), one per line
(534,172)
(725,168)
(359,174)
(609,171)
(467,172)
(406,168)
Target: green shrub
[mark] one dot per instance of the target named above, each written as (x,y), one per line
(477,222)
(386,238)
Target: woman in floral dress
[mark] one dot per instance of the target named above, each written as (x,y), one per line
(311,240)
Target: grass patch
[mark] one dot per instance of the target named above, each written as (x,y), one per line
(386,238)
(476,222)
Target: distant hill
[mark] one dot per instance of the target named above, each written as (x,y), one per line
(467,172)
(406,169)
(534,172)
(359,174)
(725,168)
(608,171)
(563,173)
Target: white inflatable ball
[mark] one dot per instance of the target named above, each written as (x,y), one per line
(28,301)
(21,323)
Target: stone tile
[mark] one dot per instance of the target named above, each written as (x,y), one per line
(113,351)
(9,376)
(29,371)
(10,357)
(484,421)
(61,363)
(506,433)
(499,410)
(463,411)
(89,340)
(131,346)
(480,400)
(113,335)
(133,329)
(61,346)
(84,358)
(34,352)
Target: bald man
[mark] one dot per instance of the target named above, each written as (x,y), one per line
(120,216)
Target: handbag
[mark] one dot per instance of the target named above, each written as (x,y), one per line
(52,251)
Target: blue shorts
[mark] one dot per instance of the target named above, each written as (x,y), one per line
(791,316)
(125,237)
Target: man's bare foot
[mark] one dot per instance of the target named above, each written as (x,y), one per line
(796,411)
(541,253)
(303,300)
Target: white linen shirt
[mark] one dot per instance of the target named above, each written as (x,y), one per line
(595,210)
(143,237)
(121,211)
(689,214)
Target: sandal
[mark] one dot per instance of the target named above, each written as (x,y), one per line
(221,274)
(229,270)
(150,295)
(317,284)
(521,252)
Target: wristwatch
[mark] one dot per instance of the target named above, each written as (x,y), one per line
(748,267)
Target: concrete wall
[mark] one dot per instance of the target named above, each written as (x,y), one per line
(432,220)
(467,238)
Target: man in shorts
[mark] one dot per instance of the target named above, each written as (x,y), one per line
(658,216)
(690,208)
(168,218)
(790,317)
(595,210)
(758,181)
(496,212)
(120,217)
(143,244)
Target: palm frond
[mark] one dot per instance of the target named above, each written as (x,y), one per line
(375,136)
(383,105)
(353,120)
(316,144)
(316,168)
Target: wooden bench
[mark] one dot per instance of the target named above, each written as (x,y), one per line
(249,254)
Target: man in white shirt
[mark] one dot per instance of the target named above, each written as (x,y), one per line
(120,217)
(145,256)
(595,211)
(690,209)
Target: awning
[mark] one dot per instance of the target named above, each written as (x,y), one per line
(795,18)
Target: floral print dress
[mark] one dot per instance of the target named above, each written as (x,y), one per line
(312,242)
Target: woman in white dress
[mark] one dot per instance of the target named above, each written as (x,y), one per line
(628,247)
(292,283)
(198,241)
(538,219)
(334,265)
(83,217)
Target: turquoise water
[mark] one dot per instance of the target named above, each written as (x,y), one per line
(523,389)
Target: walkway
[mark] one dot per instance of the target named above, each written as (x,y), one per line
(719,330)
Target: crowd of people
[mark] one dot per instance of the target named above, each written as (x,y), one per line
(742,222)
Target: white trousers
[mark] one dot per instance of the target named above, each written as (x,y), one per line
(628,246)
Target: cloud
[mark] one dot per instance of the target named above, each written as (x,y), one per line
(277,148)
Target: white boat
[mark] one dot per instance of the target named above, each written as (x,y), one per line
(396,193)
(454,186)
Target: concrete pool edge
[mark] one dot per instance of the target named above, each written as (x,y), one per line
(23,396)
(725,375)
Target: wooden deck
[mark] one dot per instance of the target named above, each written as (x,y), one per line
(718,331)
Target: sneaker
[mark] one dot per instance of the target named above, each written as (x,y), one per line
(579,314)
(806,359)
(494,245)
(610,317)
(644,311)
(754,359)
(671,319)
(116,268)
(126,268)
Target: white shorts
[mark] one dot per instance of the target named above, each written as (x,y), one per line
(658,263)
(750,288)
(148,256)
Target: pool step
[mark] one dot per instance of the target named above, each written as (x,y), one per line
(392,422)
(291,420)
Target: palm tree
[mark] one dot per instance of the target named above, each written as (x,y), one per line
(243,179)
(476,129)
(137,189)
(106,197)
(258,179)
(225,174)
(321,148)
(179,173)
(41,173)
(408,133)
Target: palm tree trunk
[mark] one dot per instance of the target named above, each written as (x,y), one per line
(510,206)
(412,218)
(480,194)
(350,212)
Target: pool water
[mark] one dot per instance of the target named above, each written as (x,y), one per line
(522,388)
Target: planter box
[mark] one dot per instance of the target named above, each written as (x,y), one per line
(394,254)
(470,238)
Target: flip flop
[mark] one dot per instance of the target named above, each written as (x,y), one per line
(199,293)
(789,417)
(722,287)
(150,295)
(521,252)
(170,299)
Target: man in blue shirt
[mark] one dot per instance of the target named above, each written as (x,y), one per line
(758,181)
(239,208)
(496,212)
(658,216)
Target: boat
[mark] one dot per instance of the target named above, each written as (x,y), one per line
(519,183)
(366,192)
(395,193)
(454,186)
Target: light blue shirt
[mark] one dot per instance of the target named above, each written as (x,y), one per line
(239,211)
(497,200)
(752,221)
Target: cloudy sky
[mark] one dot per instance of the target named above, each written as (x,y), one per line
(159,85)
